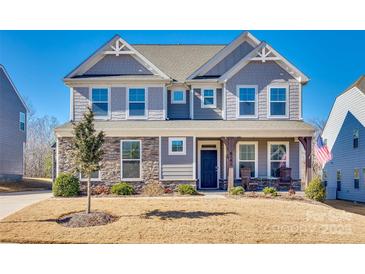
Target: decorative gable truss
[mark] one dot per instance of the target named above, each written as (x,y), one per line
(265,54)
(116,46)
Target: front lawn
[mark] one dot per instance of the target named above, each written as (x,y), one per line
(27,184)
(187,220)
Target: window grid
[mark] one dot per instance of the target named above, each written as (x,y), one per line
(137,98)
(181,99)
(100,99)
(247,154)
(125,159)
(276,97)
(208,98)
(174,149)
(247,98)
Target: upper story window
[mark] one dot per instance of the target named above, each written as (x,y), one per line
(100,102)
(22,121)
(178,97)
(131,159)
(209,98)
(278,155)
(356,178)
(355,137)
(247,106)
(177,146)
(278,103)
(137,102)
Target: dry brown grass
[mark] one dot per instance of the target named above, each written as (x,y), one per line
(187,220)
(27,184)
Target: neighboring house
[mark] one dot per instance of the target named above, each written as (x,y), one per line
(345,136)
(13,129)
(190,113)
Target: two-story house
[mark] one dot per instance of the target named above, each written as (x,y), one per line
(13,130)
(190,113)
(345,136)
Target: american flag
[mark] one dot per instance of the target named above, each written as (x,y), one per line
(322,152)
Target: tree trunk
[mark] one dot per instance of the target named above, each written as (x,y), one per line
(88,194)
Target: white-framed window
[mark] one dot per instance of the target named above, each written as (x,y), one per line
(95,176)
(100,102)
(22,121)
(247,101)
(177,146)
(278,101)
(278,156)
(131,159)
(355,138)
(209,98)
(247,156)
(137,103)
(178,97)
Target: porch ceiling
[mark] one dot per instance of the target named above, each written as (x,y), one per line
(198,128)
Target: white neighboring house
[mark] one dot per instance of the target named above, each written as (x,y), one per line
(345,136)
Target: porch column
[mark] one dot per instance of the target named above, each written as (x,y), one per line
(307,144)
(230,143)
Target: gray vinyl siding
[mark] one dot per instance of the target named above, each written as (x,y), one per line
(80,102)
(178,111)
(346,158)
(207,113)
(262,152)
(118,65)
(118,103)
(262,75)
(177,166)
(230,60)
(11,137)
(155,103)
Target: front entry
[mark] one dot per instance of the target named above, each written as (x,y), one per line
(208,164)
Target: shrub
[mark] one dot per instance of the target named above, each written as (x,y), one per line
(186,189)
(122,189)
(270,190)
(66,185)
(315,190)
(238,190)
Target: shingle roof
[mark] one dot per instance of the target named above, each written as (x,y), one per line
(360,84)
(178,61)
(272,128)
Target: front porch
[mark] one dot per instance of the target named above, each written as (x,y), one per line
(220,161)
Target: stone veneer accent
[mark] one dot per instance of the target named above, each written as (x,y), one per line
(110,171)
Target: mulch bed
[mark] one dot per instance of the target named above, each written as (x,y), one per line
(82,219)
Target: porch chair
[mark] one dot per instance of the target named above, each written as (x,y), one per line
(285,179)
(246,181)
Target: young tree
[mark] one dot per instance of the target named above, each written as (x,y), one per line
(87,149)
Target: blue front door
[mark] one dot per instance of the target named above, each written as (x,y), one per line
(208,170)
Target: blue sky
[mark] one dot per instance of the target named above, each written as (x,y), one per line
(38,60)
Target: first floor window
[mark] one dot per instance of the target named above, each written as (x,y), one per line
(178,97)
(278,101)
(100,102)
(356,178)
(94,176)
(355,138)
(247,101)
(324,177)
(137,102)
(22,121)
(208,98)
(177,146)
(131,159)
(278,158)
(338,179)
(247,158)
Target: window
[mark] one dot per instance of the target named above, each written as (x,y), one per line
(356,178)
(137,102)
(247,157)
(324,177)
(338,179)
(95,176)
(278,155)
(131,159)
(209,98)
(178,97)
(247,101)
(355,137)
(278,101)
(22,121)
(177,146)
(100,102)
